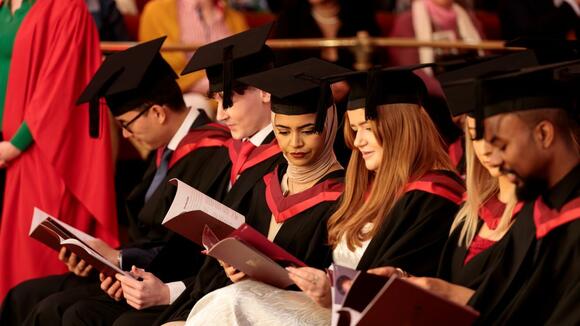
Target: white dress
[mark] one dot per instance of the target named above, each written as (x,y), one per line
(250,302)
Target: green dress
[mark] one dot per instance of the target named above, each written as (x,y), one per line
(9,25)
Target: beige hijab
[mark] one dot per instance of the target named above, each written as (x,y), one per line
(326,161)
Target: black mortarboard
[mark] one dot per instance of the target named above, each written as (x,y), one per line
(460,95)
(233,57)
(299,88)
(380,86)
(547,86)
(124,78)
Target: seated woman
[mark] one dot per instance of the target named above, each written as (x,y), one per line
(485,217)
(292,204)
(399,200)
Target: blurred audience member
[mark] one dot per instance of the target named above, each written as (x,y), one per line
(539,18)
(189,22)
(109,20)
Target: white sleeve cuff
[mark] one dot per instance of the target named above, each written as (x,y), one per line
(572,4)
(175,290)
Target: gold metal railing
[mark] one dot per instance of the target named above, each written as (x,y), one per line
(362,45)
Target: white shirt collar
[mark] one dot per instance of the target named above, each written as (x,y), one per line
(183,129)
(258,138)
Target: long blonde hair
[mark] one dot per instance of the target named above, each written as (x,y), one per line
(481,186)
(411,147)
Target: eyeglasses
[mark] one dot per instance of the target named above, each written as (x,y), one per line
(125,125)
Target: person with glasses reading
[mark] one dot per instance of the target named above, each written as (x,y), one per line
(151,110)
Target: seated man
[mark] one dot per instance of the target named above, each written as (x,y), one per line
(145,99)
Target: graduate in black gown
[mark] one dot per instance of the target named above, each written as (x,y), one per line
(533,129)
(292,204)
(530,275)
(243,161)
(213,276)
(150,108)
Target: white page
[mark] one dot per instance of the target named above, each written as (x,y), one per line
(189,199)
(40,216)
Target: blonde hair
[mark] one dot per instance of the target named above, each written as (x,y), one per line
(411,147)
(481,186)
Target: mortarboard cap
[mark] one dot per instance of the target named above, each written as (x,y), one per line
(299,88)
(233,57)
(124,79)
(380,86)
(459,95)
(547,86)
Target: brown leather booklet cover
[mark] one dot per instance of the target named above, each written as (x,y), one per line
(223,232)
(375,300)
(251,252)
(56,234)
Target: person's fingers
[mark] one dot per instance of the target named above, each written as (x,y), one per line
(101,277)
(114,288)
(386,271)
(106,283)
(118,295)
(80,267)
(87,270)
(236,277)
(62,256)
(128,281)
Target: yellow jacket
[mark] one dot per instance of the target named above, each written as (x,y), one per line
(159,18)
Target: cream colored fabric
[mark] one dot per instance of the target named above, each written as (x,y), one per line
(254,303)
(424,31)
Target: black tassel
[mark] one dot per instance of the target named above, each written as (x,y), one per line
(372,94)
(478,110)
(325,94)
(94,118)
(228,67)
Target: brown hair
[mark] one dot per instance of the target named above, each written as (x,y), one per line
(411,147)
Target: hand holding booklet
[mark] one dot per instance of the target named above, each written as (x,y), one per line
(378,300)
(223,232)
(57,234)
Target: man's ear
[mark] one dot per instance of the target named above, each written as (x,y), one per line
(544,133)
(159,112)
(265,96)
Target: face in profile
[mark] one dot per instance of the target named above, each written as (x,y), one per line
(144,126)
(516,153)
(365,140)
(482,150)
(247,116)
(297,138)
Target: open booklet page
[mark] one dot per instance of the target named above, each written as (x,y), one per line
(191,210)
(56,234)
(252,253)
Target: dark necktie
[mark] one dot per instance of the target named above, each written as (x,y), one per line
(160,174)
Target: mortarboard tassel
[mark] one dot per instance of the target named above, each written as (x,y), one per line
(372,94)
(228,67)
(325,93)
(95,118)
(478,114)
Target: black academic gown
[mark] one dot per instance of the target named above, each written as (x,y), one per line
(414,232)
(44,300)
(181,259)
(452,266)
(535,269)
(303,235)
